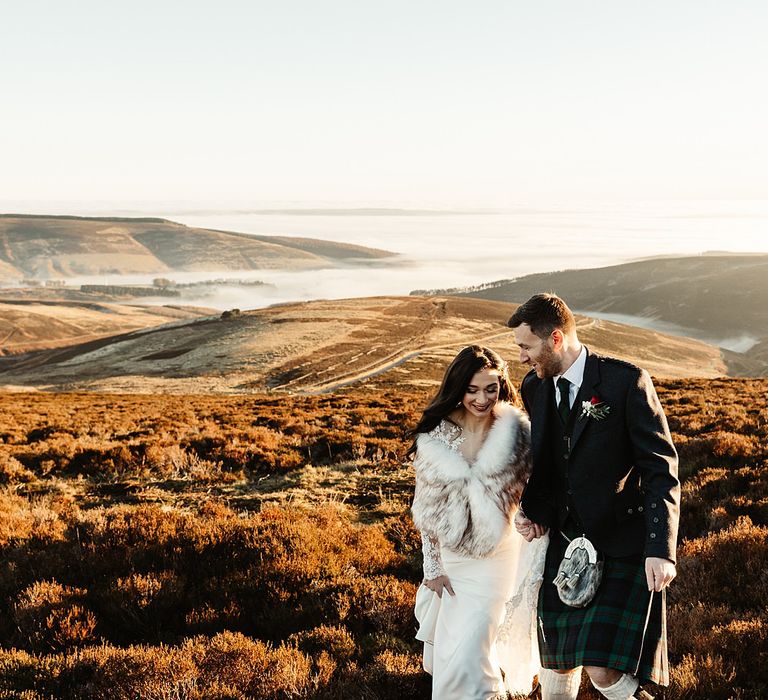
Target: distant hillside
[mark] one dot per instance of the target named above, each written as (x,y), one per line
(381,342)
(715,296)
(45,247)
(28,325)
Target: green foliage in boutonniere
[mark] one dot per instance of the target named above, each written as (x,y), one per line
(594,408)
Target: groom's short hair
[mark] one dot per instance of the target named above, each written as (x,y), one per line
(544,313)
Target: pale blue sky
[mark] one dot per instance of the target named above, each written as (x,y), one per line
(493,103)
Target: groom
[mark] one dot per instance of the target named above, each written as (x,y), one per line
(604,466)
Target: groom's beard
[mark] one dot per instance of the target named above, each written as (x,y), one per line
(550,365)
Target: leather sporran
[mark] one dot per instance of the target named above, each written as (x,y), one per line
(579,573)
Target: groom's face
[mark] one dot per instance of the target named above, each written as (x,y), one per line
(537,352)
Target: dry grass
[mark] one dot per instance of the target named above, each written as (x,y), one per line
(353,345)
(260,547)
(28,324)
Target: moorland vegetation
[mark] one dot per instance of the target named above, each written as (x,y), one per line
(260,546)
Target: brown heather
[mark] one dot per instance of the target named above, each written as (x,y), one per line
(231,548)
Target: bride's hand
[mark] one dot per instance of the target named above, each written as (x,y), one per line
(527,528)
(438,584)
(522,524)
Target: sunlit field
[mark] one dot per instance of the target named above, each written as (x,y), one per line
(261,546)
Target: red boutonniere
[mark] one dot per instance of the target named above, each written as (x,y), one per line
(594,408)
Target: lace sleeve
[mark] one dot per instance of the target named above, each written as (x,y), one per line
(433,564)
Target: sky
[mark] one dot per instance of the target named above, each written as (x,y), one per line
(418,103)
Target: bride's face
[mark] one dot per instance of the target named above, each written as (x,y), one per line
(482,393)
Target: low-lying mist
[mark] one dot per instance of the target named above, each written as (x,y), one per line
(737,343)
(397,276)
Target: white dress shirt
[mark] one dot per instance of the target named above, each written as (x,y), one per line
(575,375)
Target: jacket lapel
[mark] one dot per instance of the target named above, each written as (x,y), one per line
(539,413)
(588,384)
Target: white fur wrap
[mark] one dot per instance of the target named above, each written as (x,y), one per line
(469,507)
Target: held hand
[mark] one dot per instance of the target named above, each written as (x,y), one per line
(658,573)
(438,584)
(527,528)
(522,524)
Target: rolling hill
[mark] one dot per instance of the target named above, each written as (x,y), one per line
(321,346)
(29,325)
(45,247)
(720,298)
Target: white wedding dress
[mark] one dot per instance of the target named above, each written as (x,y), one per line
(482,642)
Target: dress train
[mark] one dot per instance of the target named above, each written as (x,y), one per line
(482,642)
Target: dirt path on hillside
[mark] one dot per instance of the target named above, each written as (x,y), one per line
(386,364)
(396,359)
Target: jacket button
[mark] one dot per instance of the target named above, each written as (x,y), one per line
(640,509)
(630,511)
(653,505)
(653,535)
(655,520)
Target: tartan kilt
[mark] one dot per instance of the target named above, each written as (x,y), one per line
(616,630)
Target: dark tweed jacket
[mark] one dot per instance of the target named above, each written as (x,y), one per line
(622,471)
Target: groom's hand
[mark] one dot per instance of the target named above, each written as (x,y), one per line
(658,573)
(438,584)
(527,528)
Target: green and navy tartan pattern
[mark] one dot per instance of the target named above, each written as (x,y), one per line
(611,632)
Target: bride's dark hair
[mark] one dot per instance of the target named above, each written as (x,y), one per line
(457,377)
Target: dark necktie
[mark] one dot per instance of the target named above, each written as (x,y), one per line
(564,402)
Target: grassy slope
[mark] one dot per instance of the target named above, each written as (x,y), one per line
(326,345)
(50,246)
(718,295)
(27,325)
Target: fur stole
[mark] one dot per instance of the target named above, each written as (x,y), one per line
(468,507)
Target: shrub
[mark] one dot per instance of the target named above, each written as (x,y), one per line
(335,640)
(12,471)
(50,616)
(29,677)
(16,519)
(145,606)
(702,677)
(111,673)
(254,667)
(382,603)
(398,676)
(726,567)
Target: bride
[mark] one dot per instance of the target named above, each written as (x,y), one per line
(477,605)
